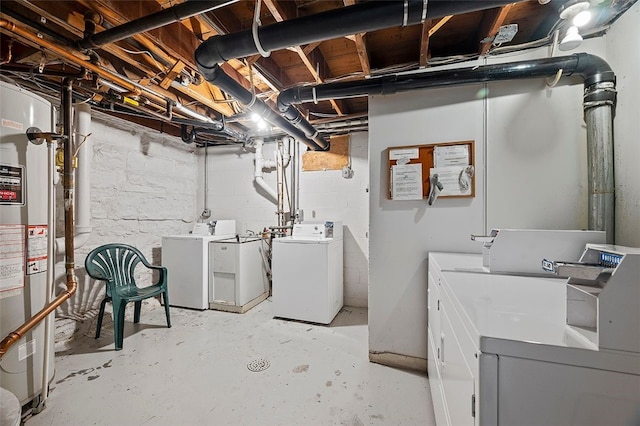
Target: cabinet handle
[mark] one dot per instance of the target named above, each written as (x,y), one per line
(442,347)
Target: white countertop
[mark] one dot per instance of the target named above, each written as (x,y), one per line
(519,308)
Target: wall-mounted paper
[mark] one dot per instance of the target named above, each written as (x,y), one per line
(452,155)
(406,182)
(454,179)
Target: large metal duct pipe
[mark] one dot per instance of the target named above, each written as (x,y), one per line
(159,19)
(599,102)
(364,17)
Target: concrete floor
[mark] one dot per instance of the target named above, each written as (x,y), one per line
(196,373)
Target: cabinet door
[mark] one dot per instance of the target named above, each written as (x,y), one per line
(457,378)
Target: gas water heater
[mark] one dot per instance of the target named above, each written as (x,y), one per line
(24,248)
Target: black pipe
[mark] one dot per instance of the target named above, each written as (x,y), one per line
(335,23)
(217,76)
(591,68)
(362,17)
(159,19)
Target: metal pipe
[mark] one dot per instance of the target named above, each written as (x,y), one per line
(71,279)
(599,101)
(598,116)
(159,19)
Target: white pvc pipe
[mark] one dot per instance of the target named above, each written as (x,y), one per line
(260,164)
(82,118)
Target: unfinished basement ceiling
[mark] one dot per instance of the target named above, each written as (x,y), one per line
(137,77)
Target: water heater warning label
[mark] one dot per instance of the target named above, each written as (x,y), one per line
(12,255)
(11,184)
(36,249)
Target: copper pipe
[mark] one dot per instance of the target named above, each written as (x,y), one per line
(67,54)
(68,184)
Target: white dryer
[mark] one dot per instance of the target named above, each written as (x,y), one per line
(307,272)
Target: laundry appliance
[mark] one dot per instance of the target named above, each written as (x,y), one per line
(307,272)
(186,258)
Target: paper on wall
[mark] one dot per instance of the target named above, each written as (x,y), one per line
(453,180)
(406,182)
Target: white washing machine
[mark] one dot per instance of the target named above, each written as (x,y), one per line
(186,258)
(307,273)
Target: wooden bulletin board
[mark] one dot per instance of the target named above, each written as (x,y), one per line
(410,170)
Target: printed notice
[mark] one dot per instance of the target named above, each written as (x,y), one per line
(452,155)
(12,242)
(37,249)
(404,153)
(406,182)
(454,180)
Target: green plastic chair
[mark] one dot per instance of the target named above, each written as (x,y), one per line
(115,264)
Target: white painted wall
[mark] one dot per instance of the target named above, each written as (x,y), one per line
(535,177)
(623,55)
(143,186)
(232,194)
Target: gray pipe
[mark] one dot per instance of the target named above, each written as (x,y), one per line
(598,115)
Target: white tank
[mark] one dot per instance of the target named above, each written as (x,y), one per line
(23,240)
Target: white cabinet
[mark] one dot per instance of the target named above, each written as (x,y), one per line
(237,277)
(500,353)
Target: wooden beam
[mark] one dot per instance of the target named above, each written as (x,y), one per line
(491,22)
(424,43)
(439,24)
(280,14)
(361,46)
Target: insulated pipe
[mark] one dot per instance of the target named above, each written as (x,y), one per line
(335,23)
(159,19)
(599,102)
(71,279)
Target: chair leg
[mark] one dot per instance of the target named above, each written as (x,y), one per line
(118,323)
(136,312)
(165,296)
(100,315)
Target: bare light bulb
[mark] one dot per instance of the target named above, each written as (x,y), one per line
(582,18)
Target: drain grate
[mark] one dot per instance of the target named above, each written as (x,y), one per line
(258,365)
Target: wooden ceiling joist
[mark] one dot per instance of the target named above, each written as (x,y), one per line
(361,46)
(313,60)
(491,23)
(429,28)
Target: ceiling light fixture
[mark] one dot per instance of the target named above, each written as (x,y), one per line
(571,39)
(572,8)
(582,18)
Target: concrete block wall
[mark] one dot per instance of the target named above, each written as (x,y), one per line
(143,186)
(232,194)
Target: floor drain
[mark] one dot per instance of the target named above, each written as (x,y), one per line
(258,365)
